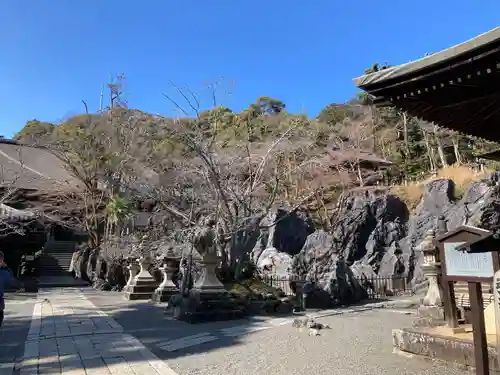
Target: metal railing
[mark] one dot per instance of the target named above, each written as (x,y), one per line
(376,287)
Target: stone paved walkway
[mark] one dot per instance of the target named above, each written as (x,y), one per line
(69,335)
(15,329)
(84,331)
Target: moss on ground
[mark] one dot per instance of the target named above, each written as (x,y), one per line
(251,288)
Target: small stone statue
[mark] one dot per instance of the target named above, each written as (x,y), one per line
(204,240)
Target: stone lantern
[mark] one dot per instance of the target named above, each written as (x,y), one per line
(208,282)
(431,269)
(208,300)
(133,268)
(431,310)
(167,288)
(143,285)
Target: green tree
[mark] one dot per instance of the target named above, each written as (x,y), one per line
(333,114)
(36,132)
(117,209)
(267,106)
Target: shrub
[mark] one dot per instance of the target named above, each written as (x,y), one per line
(410,194)
(462,175)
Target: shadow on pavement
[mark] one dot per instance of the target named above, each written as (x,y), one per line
(144,321)
(147,322)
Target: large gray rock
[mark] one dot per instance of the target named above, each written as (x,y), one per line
(363,240)
(282,235)
(279,262)
(479,206)
(334,280)
(366,226)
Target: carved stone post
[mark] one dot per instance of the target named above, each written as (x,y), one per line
(431,312)
(208,282)
(208,299)
(167,288)
(133,268)
(143,285)
(144,263)
(431,269)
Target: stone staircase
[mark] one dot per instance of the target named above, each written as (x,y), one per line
(462,294)
(56,258)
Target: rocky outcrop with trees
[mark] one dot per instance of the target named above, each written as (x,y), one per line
(337,199)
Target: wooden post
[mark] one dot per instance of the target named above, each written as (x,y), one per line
(478,329)
(450,305)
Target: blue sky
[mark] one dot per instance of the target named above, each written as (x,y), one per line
(54,53)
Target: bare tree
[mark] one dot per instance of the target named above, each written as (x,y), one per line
(97,150)
(237,188)
(439,145)
(429,148)
(353,146)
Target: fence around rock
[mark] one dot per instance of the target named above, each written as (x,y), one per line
(377,287)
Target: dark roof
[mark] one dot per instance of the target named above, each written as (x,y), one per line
(32,168)
(456,88)
(486,244)
(493,155)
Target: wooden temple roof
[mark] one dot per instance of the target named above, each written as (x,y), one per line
(457,88)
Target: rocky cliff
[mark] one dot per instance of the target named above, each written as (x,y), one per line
(373,233)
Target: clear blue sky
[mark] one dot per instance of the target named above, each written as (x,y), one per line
(54,53)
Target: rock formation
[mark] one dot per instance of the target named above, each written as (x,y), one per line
(372,234)
(375,234)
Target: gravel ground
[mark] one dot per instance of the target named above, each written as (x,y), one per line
(357,344)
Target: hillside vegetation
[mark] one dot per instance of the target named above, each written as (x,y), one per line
(237,165)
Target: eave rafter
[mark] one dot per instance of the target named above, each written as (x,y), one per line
(457,88)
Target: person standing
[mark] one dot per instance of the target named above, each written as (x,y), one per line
(6,279)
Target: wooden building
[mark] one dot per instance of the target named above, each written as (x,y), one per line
(457,88)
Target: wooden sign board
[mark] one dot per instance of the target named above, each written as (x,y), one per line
(460,265)
(465,265)
(462,260)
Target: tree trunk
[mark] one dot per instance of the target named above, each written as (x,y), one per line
(456,150)
(405,134)
(360,176)
(432,165)
(440,147)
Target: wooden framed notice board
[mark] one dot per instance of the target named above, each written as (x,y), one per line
(469,254)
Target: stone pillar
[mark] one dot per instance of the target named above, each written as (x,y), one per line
(431,269)
(208,283)
(431,312)
(144,275)
(167,288)
(143,285)
(133,268)
(300,303)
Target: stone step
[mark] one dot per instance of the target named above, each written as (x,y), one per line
(59,281)
(47,263)
(58,251)
(55,264)
(462,294)
(60,248)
